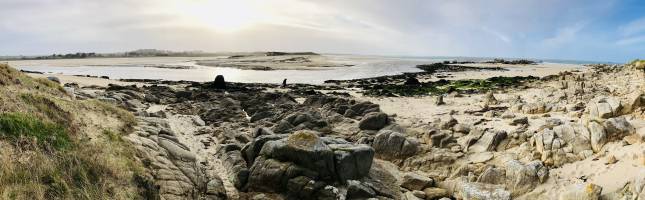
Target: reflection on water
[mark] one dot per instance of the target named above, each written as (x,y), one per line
(364,67)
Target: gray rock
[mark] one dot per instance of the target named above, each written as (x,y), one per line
(435,193)
(305,149)
(373,121)
(357,190)
(414,181)
(352,161)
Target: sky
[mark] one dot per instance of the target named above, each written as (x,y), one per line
(591,30)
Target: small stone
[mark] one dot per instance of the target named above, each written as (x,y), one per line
(481,157)
(519,121)
(419,194)
(438,100)
(633,139)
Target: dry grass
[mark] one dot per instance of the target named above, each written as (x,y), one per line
(95,163)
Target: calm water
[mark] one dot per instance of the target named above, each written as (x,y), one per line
(364,67)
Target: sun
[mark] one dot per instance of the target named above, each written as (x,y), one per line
(222,15)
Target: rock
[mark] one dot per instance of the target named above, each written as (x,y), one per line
(480,157)
(493,175)
(488,141)
(357,190)
(519,121)
(438,100)
(419,194)
(522,178)
(410,196)
(54,79)
(461,128)
(477,191)
(534,108)
(393,145)
(604,107)
(489,98)
(414,181)
(234,164)
(617,128)
(412,81)
(447,122)
(373,121)
(352,161)
(634,101)
(598,136)
(305,149)
(435,193)
(215,189)
(582,191)
(219,82)
(633,139)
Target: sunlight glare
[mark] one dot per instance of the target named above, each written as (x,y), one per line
(223,15)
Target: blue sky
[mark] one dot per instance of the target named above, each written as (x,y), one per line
(595,30)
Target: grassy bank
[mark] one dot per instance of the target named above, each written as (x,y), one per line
(55,147)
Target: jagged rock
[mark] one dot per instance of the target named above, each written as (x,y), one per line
(357,190)
(360,109)
(252,149)
(414,181)
(219,82)
(461,128)
(373,121)
(470,139)
(582,191)
(488,141)
(393,145)
(352,161)
(271,175)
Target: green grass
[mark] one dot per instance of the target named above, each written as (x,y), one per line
(17,125)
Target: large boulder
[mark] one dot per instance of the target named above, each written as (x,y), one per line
(373,121)
(219,82)
(393,145)
(617,128)
(305,149)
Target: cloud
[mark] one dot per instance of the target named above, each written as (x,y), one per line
(633,27)
(631,40)
(534,28)
(565,34)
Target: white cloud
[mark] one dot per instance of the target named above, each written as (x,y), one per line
(631,40)
(565,34)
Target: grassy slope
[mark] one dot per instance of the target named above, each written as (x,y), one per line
(54,147)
